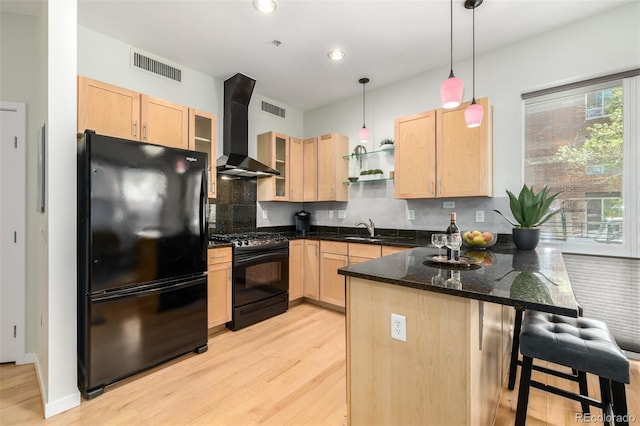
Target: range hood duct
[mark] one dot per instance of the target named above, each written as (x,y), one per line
(235,138)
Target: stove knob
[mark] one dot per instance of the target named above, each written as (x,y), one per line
(238,243)
(246,242)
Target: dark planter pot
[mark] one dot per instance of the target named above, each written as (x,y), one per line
(526,239)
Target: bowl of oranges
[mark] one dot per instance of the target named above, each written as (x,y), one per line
(478,239)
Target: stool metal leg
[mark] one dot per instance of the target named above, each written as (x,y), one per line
(584,390)
(619,403)
(605,394)
(515,349)
(523,392)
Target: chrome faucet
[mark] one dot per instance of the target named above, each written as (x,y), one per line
(370,227)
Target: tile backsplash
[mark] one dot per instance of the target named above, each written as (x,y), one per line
(235,205)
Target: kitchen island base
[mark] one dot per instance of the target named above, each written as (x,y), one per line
(448,372)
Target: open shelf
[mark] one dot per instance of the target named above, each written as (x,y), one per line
(369,153)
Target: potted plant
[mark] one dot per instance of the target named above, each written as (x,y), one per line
(358,152)
(386,144)
(529,210)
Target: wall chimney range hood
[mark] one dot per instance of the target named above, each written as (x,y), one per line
(235,138)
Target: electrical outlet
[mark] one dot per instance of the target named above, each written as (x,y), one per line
(479,215)
(448,204)
(342,214)
(399,327)
(411,215)
(264,214)
(331,213)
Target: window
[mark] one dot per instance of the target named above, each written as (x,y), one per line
(582,140)
(596,103)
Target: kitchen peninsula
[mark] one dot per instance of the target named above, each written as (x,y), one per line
(451,367)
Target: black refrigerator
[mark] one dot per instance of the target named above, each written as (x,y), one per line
(142,243)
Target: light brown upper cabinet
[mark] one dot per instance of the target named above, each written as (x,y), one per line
(122,113)
(273,150)
(108,109)
(202,138)
(438,156)
(164,123)
(464,155)
(296,169)
(415,156)
(333,169)
(310,169)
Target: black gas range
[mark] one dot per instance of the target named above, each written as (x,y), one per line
(248,240)
(260,287)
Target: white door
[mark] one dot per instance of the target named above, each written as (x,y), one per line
(12,231)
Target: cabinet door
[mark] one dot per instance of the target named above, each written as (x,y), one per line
(202,138)
(219,294)
(332,287)
(312,269)
(414,157)
(310,167)
(108,109)
(464,155)
(273,150)
(333,169)
(296,174)
(296,269)
(164,123)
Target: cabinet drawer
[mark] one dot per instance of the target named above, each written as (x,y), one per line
(219,255)
(370,251)
(333,247)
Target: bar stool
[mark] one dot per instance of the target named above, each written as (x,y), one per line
(575,376)
(582,344)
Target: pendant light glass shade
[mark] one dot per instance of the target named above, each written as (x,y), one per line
(451,89)
(473,114)
(363,134)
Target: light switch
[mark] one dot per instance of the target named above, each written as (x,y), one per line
(331,213)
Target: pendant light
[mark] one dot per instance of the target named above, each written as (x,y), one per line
(474,112)
(451,88)
(363,134)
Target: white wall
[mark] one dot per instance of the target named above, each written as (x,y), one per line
(61,381)
(600,45)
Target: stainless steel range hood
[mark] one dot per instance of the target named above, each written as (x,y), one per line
(235,141)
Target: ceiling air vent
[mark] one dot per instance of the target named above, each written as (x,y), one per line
(147,63)
(273,109)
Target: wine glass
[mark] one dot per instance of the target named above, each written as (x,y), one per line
(453,242)
(438,241)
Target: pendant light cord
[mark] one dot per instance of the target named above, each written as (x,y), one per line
(474,55)
(451,35)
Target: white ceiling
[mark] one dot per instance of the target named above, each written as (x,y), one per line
(386,41)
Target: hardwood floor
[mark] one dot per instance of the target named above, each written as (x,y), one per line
(288,370)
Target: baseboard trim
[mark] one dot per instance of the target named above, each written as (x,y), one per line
(58,406)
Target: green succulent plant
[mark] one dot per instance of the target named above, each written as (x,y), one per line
(386,142)
(530,209)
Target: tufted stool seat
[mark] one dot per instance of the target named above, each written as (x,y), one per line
(582,344)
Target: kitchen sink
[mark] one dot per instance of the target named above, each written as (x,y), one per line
(370,239)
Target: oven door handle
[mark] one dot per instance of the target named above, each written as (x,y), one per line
(240,259)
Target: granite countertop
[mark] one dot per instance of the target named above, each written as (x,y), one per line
(533,279)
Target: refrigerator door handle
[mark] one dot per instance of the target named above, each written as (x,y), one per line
(204,207)
(146,291)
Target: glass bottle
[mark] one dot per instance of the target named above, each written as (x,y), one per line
(453,229)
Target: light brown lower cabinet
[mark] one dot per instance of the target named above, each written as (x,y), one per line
(311,262)
(333,255)
(359,253)
(296,269)
(219,286)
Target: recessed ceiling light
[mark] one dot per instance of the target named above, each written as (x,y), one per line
(336,55)
(265,6)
